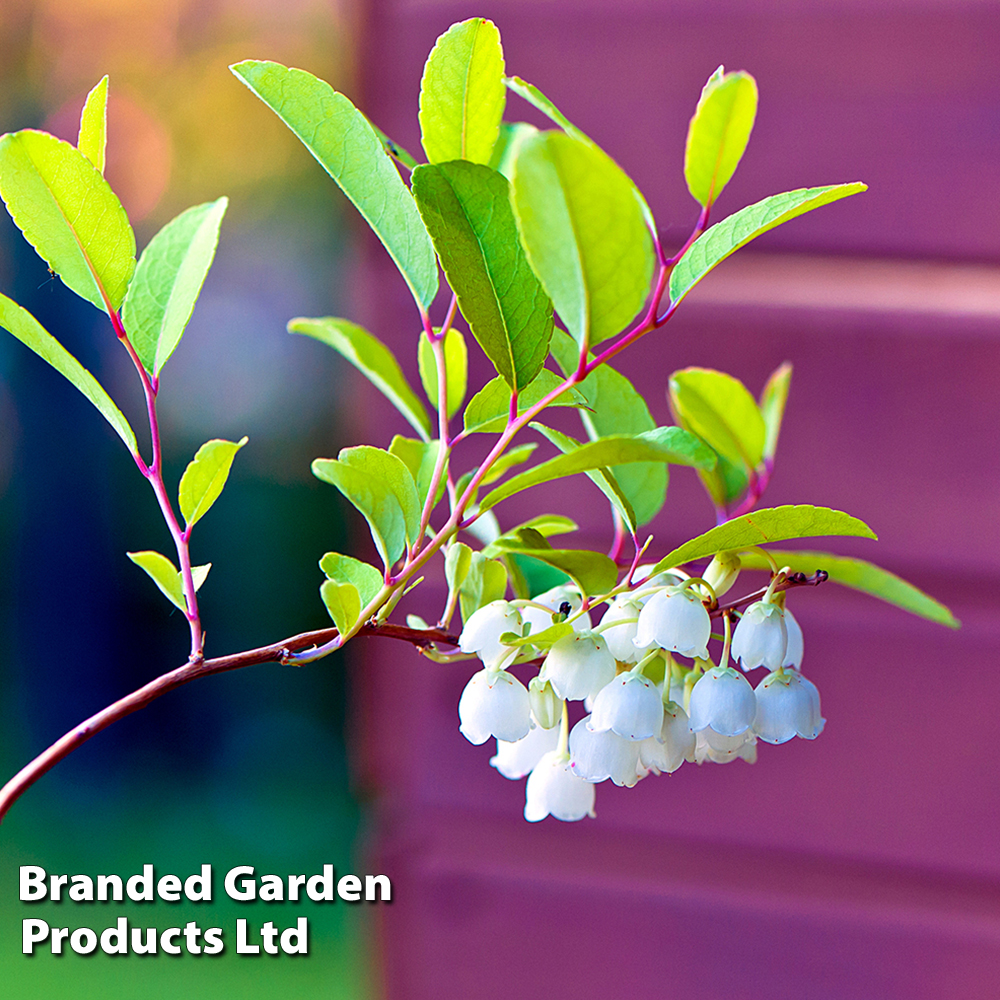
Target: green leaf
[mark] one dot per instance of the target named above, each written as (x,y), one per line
(457,563)
(93,134)
(772,524)
(69,214)
(859,575)
(167,577)
(168,280)
(489,409)
(604,479)
(516,456)
(205,477)
(615,407)
(343,602)
(345,145)
(721,411)
(772,406)
(393,471)
(32,334)
(373,359)
(512,134)
(738,229)
(456,365)
(376,501)
(718,133)
(584,233)
(419,457)
(486,581)
(593,572)
(462,94)
(466,208)
(613,450)
(538,100)
(546,525)
(343,569)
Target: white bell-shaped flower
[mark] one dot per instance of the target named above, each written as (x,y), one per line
(624,608)
(494,704)
(723,701)
(482,632)
(725,749)
(673,745)
(516,760)
(796,644)
(630,705)
(598,756)
(675,620)
(554,789)
(646,584)
(787,706)
(760,638)
(578,665)
(551,601)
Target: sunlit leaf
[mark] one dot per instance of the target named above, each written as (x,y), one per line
(772,524)
(205,477)
(373,359)
(345,145)
(721,411)
(593,572)
(167,577)
(344,569)
(515,456)
(343,602)
(859,575)
(489,409)
(485,581)
(738,229)
(466,208)
(462,94)
(168,280)
(505,150)
(392,471)
(615,407)
(584,233)
(93,135)
(772,406)
(456,365)
(419,457)
(69,214)
(32,334)
(718,133)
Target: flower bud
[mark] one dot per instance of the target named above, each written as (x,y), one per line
(760,638)
(554,789)
(494,704)
(546,705)
(722,572)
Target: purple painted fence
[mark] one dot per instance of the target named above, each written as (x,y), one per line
(866,864)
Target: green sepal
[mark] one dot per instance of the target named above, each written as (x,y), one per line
(205,477)
(373,359)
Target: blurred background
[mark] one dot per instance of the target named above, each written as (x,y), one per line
(864,864)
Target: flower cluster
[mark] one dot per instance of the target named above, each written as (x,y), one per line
(647,711)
